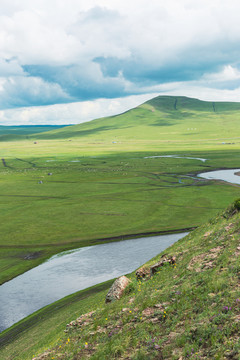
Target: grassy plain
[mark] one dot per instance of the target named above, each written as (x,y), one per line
(103,186)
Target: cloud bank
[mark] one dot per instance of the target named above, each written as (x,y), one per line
(56,52)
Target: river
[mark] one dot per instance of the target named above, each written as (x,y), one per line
(225,175)
(71,271)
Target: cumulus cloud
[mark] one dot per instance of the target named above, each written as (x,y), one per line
(63,52)
(19,91)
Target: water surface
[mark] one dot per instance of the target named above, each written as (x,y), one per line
(69,272)
(175,157)
(225,175)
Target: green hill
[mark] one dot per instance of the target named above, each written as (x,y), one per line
(162,118)
(188,310)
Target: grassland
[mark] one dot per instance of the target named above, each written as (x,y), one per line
(188,310)
(102,185)
(95,182)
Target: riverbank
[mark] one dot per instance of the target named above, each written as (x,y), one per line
(172,315)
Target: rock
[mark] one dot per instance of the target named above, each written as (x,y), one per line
(208,233)
(125,309)
(154,268)
(143,273)
(148,312)
(204,261)
(131,300)
(228,227)
(154,320)
(159,307)
(117,289)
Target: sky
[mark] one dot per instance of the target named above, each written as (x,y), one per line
(65,62)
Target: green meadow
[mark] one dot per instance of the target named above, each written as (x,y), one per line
(102,185)
(97,182)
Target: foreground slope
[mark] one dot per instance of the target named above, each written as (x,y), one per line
(188,310)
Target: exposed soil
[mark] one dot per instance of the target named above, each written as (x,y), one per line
(33,255)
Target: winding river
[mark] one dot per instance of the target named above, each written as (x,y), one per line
(68,272)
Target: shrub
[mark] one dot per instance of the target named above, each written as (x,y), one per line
(237,204)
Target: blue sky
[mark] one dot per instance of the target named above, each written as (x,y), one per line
(72,61)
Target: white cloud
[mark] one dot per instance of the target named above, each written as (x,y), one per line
(79,112)
(57,51)
(72,113)
(18,91)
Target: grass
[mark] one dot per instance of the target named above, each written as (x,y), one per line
(98,198)
(23,131)
(102,187)
(23,340)
(101,184)
(190,309)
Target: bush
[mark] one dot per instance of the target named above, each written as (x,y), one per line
(237,204)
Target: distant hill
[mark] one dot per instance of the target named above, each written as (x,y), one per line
(162,118)
(11,132)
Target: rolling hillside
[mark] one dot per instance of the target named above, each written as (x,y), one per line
(162,118)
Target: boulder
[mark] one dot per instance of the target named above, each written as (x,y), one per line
(117,289)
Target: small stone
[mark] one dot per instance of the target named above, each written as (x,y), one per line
(207,234)
(154,320)
(148,312)
(142,273)
(131,300)
(211,294)
(159,306)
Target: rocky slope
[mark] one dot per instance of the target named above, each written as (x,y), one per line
(188,309)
